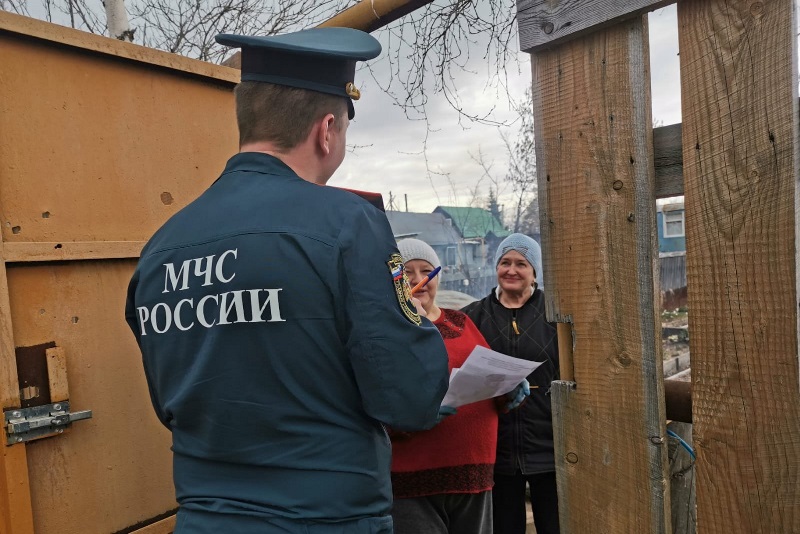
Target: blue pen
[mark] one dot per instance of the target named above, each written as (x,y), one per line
(425,280)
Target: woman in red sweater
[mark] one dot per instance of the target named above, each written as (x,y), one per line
(442,477)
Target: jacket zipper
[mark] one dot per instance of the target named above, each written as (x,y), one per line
(517,430)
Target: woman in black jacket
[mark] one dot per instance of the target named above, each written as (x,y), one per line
(512,319)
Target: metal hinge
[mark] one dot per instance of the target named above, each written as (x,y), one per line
(27,424)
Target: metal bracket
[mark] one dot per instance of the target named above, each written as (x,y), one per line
(36,422)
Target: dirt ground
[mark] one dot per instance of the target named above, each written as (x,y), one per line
(673,346)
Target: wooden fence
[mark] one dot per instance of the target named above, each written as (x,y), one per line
(594,147)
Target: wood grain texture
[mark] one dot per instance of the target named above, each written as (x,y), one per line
(165,526)
(546,23)
(71,250)
(740,139)
(45,31)
(93,192)
(57,374)
(93,183)
(16,515)
(596,181)
(668,160)
(113,470)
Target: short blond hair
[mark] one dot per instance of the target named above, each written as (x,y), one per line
(282,115)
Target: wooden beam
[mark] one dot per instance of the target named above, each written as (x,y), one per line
(594,153)
(31,28)
(71,250)
(16,512)
(57,374)
(740,153)
(547,23)
(165,526)
(668,160)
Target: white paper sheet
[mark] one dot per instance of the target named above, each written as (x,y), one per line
(485,374)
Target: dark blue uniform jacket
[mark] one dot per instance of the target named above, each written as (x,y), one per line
(275,343)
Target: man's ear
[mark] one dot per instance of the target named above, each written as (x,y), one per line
(326,125)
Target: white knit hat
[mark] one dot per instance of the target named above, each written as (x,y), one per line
(525,246)
(414,249)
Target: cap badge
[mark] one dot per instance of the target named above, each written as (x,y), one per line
(352,91)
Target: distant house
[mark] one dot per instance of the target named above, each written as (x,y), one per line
(463,260)
(477,226)
(671,225)
(671,222)
(433,228)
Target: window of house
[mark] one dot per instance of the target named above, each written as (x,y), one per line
(450,256)
(673,224)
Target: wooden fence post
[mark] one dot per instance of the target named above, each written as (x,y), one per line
(594,154)
(740,164)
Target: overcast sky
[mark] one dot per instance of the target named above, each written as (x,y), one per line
(388,154)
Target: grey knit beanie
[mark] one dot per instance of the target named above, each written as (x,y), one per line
(525,246)
(414,249)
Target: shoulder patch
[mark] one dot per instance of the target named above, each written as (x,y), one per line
(402,289)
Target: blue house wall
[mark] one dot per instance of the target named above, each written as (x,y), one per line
(669,244)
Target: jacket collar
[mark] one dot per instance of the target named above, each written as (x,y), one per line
(258,162)
(497,291)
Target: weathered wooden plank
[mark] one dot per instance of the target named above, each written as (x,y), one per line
(165,526)
(546,23)
(596,186)
(668,160)
(57,374)
(71,250)
(16,513)
(740,138)
(45,31)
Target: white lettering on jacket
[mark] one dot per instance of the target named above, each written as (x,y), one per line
(206,271)
(210,310)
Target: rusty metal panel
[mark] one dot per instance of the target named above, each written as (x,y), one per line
(100,142)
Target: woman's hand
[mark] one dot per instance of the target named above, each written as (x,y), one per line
(517,396)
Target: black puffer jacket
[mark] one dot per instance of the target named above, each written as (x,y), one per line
(525,435)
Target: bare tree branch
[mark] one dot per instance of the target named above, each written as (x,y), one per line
(430,47)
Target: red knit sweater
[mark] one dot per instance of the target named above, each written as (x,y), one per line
(457,455)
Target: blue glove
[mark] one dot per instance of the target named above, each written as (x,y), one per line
(518,395)
(444,411)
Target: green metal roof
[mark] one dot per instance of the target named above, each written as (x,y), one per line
(473,222)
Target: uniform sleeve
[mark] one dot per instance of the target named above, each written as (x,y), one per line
(133,322)
(399,359)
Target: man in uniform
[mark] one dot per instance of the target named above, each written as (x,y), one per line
(274,318)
